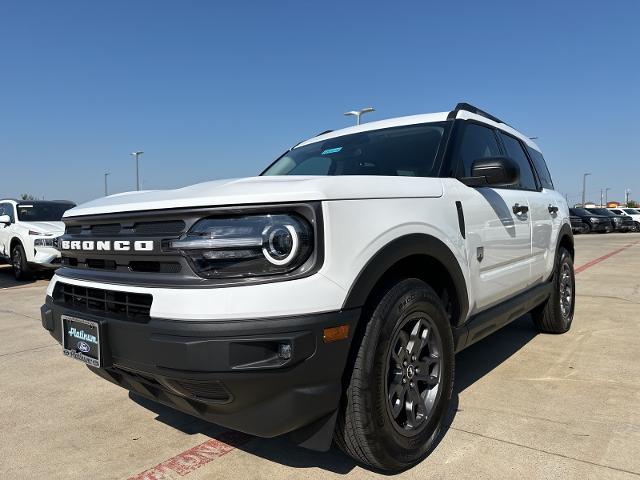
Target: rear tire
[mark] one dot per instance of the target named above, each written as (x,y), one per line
(401,381)
(556,314)
(21,268)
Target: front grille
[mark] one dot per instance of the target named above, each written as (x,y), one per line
(154,267)
(206,391)
(209,391)
(142,266)
(126,305)
(174,227)
(106,229)
(101,263)
(160,228)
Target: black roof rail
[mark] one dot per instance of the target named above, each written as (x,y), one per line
(467,107)
(322,133)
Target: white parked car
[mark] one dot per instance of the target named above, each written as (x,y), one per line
(631,212)
(327,297)
(28,229)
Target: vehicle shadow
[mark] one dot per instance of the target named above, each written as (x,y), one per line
(471,365)
(7,280)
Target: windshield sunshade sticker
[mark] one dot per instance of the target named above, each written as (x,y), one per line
(329,151)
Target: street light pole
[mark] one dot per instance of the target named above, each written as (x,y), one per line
(106,191)
(606,195)
(584,186)
(137,154)
(359,113)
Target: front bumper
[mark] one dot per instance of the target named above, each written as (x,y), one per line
(579,227)
(45,257)
(602,227)
(226,372)
(624,227)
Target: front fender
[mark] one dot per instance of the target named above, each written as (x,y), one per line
(399,249)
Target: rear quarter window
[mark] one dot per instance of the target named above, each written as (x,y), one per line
(541,168)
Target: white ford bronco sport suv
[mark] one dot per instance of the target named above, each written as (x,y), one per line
(28,230)
(326,298)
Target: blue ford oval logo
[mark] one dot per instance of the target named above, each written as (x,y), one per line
(83,347)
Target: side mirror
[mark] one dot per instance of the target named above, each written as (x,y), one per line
(5,219)
(493,171)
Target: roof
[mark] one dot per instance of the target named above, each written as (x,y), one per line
(15,200)
(460,113)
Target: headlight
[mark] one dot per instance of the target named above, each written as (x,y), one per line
(594,219)
(617,219)
(247,246)
(44,242)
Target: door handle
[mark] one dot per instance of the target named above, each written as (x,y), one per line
(519,209)
(553,209)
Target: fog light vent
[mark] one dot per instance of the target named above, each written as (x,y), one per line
(284,351)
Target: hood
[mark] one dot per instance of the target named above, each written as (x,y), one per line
(273,189)
(44,227)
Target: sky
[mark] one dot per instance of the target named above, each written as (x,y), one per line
(213,90)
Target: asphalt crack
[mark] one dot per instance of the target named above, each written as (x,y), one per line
(18,313)
(555,454)
(27,350)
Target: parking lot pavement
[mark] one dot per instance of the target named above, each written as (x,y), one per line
(525,405)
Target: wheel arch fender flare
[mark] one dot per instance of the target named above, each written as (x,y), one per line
(565,238)
(15,240)
(398,250)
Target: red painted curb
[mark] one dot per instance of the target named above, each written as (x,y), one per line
(194,458)
(582,268)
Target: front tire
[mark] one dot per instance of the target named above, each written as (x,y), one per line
(401,382)
(556,314)
(21,269)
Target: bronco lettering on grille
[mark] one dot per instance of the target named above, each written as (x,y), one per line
(108,245)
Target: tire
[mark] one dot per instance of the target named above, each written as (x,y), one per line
(636,227)
(395,403)
(556,315)
(21,268)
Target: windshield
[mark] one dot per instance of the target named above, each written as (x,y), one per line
(602,211)
(42,211)
(579,211)
(632,211)
(399,151)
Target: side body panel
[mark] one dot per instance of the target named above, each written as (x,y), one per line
(498,241)
(546,226)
